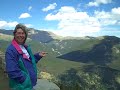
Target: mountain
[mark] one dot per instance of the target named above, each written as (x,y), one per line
(44,36)
(102,53)
(7,32)
(37,35)
(40,36)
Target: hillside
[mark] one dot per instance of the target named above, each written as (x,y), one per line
(84,60)
(99,54)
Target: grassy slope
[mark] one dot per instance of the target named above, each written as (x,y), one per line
(50,63)
(55,65)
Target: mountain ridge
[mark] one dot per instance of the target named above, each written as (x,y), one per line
(46,36)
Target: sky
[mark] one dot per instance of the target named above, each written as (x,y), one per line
(75,18)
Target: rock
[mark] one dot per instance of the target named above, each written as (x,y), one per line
(43,84)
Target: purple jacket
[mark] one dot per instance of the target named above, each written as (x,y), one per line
(13,53)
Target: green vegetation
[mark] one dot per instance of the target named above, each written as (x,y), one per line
(3,81)
(95,67)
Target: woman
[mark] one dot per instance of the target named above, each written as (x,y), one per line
(20,62)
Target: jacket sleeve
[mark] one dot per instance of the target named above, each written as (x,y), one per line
(12,67)
(37,57)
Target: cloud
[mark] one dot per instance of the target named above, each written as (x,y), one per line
(5,24)
(99,2)
(29,8)
(28,25)
(116,10)
(67,13)
(50,7)
(77,23)
(24,15)
(83,31)
(72,22)
(108,18)
(10,25)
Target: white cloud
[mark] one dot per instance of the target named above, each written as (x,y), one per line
(108,18)
(74,23)
(50,7)
(116,10)
(115,14)
(5,24)
(2,24)
(28,25)
(69,31)
(77,23)
(10,25)
(67,13)
(93,4)
(104,18)
(24,15)
(29,8)
(98,2)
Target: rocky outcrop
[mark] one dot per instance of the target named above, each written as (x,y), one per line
(43,84)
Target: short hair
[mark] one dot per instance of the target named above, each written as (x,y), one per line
(23,27)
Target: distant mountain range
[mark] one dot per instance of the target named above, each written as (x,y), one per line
(37,35)
(42,36)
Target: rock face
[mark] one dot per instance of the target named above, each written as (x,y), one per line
(43,84)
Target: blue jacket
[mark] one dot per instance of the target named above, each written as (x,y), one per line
(20,68)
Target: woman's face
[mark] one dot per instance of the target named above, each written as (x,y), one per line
(20,36)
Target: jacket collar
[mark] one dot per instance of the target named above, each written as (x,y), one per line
(16,45)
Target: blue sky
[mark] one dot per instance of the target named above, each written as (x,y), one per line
(63,17)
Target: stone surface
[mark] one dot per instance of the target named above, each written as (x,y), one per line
(43,84)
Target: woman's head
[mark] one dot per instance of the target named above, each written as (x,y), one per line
(20,33)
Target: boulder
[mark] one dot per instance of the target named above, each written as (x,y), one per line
(43,84)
